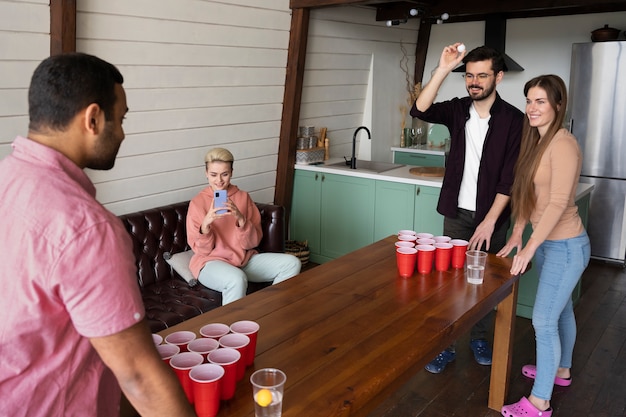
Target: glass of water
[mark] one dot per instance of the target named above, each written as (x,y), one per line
(267,391)
(475,264)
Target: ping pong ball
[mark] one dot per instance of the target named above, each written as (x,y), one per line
(461,48)
(264,397)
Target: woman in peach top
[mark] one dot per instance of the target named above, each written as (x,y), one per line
(544,188)
(223,240)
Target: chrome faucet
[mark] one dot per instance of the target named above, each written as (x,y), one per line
(353,159)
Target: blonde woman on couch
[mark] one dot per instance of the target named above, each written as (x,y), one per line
(223,239)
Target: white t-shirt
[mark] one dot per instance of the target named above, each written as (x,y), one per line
(475,133)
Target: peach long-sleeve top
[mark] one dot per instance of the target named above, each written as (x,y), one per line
(556,215)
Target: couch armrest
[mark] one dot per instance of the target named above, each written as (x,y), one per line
(273,224)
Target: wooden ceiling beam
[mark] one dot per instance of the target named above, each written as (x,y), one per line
(313,4)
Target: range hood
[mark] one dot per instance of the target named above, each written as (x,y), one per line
(495,37)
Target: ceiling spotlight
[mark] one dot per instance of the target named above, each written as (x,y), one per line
(391,23)
(444,17)
(413,12)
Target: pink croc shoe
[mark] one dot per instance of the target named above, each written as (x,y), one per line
(524,408)
(530,371)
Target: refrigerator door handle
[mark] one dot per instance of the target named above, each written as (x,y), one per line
(571,125)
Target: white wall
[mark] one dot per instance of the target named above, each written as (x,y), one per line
(346,48)
(24,42)
(198,74)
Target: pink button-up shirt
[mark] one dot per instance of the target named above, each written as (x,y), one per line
(67,273)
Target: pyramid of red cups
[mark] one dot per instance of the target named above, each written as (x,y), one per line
(421,253)
(210,365)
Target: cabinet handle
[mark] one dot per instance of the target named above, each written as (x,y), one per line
(316,177)
(323,177)
(417,191)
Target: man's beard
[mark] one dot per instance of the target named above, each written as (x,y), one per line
(106,150)
(486,91)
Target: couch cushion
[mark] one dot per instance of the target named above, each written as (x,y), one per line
(180,262)
(174,301)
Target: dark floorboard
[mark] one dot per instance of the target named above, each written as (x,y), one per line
(599,370)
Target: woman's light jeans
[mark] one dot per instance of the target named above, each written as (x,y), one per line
(560,264)
(232,281)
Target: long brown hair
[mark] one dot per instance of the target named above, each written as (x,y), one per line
(523,198)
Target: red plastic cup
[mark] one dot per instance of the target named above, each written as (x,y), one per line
(157,339)
(405,244)
(241,342)
(250,329)
(180,339)
(459,247)
(206,381)
(406,232)
(407,238)
(425,255)
(424,235)
(443,254)
(168,351)
(182,364)
(425,241)
(227,358)
(203,346)
(406,259)
(442,239)
(214,330)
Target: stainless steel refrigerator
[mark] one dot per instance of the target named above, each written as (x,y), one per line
(597,110)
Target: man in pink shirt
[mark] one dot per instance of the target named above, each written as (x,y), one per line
(72,330)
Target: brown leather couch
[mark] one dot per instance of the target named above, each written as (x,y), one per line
(168,298)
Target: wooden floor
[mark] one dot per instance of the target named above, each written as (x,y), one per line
(599,369)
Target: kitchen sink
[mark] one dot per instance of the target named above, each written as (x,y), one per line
(372,166)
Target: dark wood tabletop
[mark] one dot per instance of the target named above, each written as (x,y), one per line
(349,332)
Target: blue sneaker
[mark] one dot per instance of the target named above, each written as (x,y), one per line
(482,351)
(438,364)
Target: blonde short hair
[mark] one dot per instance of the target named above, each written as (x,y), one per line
(219,155)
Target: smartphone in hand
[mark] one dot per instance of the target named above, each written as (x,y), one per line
(220,197)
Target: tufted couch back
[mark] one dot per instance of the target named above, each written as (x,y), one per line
(167,297)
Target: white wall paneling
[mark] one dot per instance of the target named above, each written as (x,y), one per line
(198,74)
(24,42)
(346,49)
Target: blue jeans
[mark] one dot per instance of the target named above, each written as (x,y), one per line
(560,264)
(232,281)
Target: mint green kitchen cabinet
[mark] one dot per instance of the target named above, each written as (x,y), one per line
(418,159)
(394,209)
(334,213)
(406,206)
(530,280)
(305,219)
(426,217)
(338,214)
(347,214)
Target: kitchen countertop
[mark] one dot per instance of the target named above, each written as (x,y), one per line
(402,175)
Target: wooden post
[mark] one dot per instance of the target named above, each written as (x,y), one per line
(62,26)
(291,108)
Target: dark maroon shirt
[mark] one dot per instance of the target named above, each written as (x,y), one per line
(497,164)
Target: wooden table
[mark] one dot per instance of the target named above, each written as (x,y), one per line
(351,331)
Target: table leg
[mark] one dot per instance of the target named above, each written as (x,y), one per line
(502,350)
